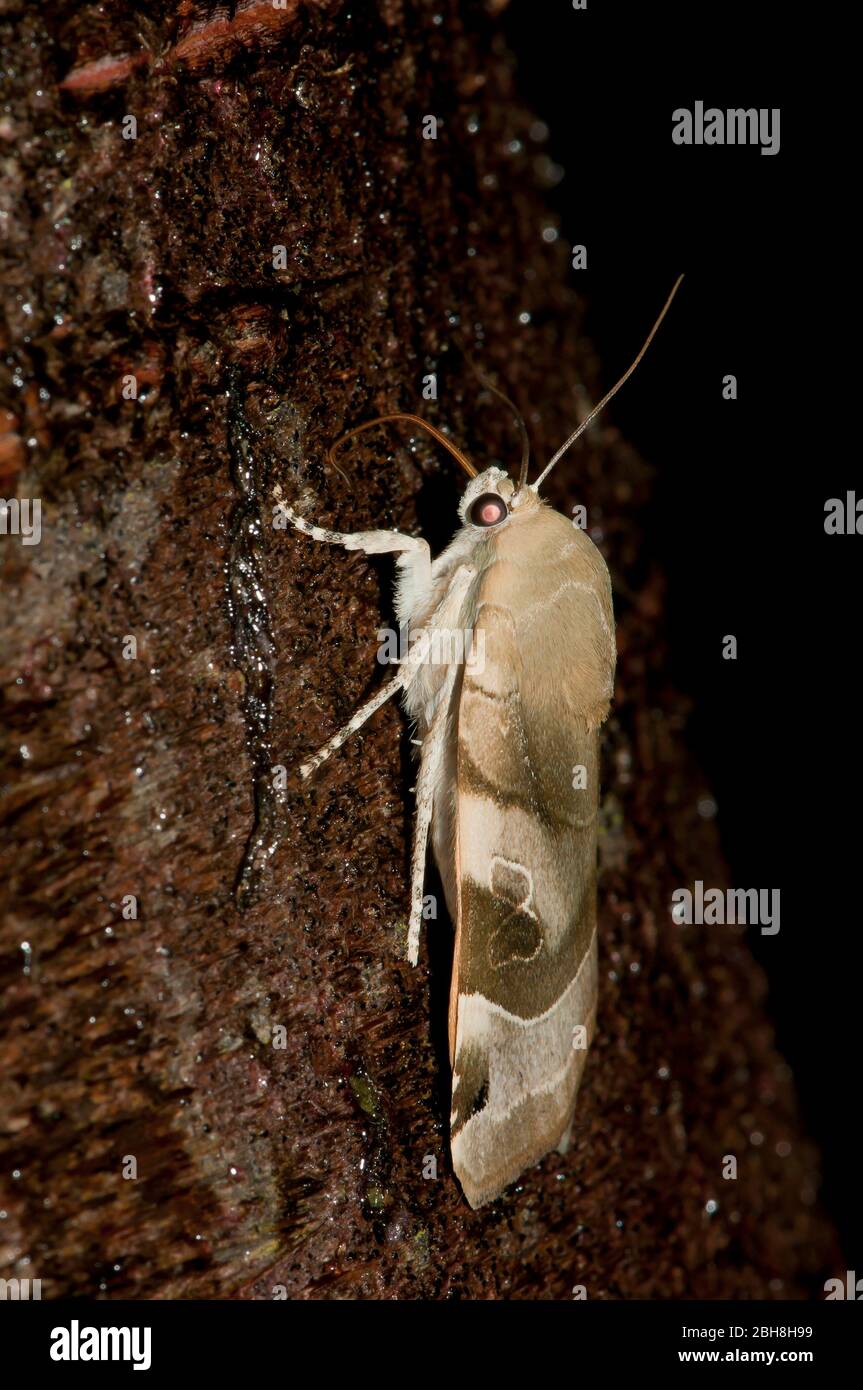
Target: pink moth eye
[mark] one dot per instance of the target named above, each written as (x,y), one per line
(487,510)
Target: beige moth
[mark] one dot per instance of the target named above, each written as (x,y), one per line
(507,792)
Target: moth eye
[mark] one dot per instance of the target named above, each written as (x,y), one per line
(487,510)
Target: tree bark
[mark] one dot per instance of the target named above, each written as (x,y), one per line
(144,784)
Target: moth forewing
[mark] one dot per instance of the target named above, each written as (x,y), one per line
(524,982)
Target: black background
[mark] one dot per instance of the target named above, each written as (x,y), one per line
(737,522)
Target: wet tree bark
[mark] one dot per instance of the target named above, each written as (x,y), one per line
(226,242)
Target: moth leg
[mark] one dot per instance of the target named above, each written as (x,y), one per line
(564,1140)
(431,764)
(406,675)
(413,562)
(407,672)
(356,721)
(372,542)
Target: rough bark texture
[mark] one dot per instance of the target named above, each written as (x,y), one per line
(302,1166)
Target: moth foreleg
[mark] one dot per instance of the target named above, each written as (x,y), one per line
(414,556)
(356,721)
(431,767)
(372,542)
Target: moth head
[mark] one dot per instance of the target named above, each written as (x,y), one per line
(491,498)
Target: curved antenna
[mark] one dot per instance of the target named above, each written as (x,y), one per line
(496,391)
(414,420)
(608,395)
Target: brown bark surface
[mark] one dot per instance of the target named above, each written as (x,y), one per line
(151,1037)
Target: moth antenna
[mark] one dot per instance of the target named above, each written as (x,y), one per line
(501,395)
(414,420)
(608,395)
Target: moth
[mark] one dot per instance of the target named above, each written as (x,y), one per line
(507,791)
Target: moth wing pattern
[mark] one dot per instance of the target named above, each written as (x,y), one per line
(523,997)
